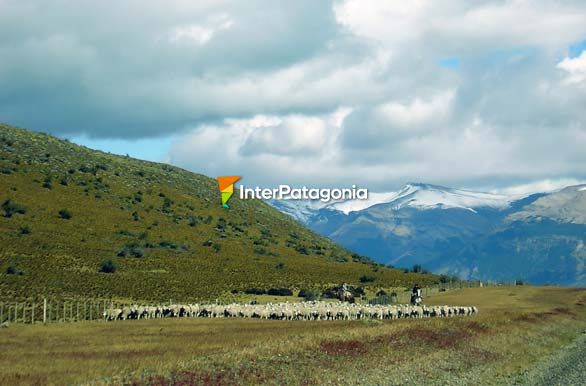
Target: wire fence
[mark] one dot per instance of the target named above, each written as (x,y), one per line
(50,311)
(45,310)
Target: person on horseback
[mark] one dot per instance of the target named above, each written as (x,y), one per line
(416,295)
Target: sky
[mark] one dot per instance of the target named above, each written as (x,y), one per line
(473,94)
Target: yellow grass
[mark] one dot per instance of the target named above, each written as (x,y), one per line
(516,327)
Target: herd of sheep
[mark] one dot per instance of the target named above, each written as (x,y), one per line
(315,310)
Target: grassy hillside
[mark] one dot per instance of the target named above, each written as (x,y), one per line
(66,209)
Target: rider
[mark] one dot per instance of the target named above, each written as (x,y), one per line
(415,293)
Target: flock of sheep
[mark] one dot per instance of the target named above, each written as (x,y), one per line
(315,310)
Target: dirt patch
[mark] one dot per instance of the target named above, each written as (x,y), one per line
(344,347)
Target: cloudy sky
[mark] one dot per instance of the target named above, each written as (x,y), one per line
(477,94)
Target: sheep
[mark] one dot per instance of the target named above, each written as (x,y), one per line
(315,310)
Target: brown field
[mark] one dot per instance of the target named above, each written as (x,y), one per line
(517,328)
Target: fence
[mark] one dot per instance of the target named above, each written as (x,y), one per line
(52,311)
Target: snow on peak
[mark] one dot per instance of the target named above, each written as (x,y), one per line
(428,196)
(413,195)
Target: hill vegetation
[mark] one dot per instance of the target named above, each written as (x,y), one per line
(80,222)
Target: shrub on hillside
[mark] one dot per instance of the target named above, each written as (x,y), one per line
(13,270)
(280,266)
(367,279)
(24,230)
(280,292)
(107,266)
(65,214)
(255,291)
(357,291)
(11,208)
(309,295)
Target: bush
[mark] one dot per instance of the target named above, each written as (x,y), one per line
(367,279)
(168,244)
(280,266)
(65,214)
(108,266)
(13,270)
(444,279)
(255,291)
(136,252)
(24,230)
(309,295)
(358,291)
(302,250)
(11,208)
(280,292)
(5,170)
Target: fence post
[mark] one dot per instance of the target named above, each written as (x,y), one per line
(16,312)
(1,312)
(33,314)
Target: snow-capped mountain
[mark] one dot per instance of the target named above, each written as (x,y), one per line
(427,196)
(412,195)
(538,237)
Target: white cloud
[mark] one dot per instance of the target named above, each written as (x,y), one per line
(418,111)
(575,68)
(543,186)
(200,34)
(294,134)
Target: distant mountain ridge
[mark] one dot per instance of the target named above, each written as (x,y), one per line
(538,237)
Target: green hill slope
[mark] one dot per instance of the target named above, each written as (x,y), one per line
(66,209)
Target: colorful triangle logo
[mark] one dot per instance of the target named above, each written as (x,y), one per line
(226,187)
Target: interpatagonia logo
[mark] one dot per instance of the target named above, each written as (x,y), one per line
(226,186)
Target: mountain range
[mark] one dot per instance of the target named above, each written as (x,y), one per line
(538,238)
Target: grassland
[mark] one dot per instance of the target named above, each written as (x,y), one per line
(66,209)
(516,329)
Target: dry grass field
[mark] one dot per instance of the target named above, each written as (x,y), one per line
(516,329)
